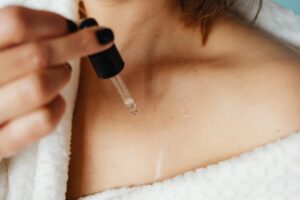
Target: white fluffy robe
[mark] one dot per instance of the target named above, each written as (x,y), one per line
(40,172)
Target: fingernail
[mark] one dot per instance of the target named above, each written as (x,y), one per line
(72,26)
(69,67)
(105,35)
(88,22)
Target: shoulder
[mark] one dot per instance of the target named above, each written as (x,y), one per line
(268,72)
(270,87)
(255,85)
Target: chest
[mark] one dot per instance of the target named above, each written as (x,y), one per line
(176,130)
(118,149)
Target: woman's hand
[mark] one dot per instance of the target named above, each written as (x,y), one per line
(34,48)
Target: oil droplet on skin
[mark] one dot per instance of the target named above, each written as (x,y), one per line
(186,114)
(158,166)
(159,161)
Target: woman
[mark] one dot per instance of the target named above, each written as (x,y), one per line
(204,95)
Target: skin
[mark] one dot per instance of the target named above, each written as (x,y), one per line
(198,104)
(34,48)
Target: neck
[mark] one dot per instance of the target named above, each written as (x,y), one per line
(146,32)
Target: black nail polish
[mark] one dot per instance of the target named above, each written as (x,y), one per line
(88,22)
(108,63)
(105,35)
(72,26)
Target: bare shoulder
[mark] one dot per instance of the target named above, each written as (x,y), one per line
(271,87)
(266,77)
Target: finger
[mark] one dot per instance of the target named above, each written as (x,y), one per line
(26,129)
(83,43)
(32,91)
(21,24)
(33,56)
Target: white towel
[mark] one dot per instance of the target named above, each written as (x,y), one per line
(40,172)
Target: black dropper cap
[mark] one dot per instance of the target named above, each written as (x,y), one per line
(107,63)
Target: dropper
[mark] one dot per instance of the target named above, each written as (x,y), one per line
(128,101)
(107,65)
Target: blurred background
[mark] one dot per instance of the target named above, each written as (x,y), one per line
(293,5)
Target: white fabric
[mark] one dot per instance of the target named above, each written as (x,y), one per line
(40,172)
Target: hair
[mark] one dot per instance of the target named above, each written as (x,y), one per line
(205,12)
(202,12)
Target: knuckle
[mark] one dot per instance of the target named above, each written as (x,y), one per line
(6,143)
(87,40)
(34,90)
(47,121)
(7,149)
(13,9)
(3,152)
(39,88)
(38,54)
(16,18)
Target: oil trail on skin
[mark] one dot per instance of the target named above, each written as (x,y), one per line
(159,161)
